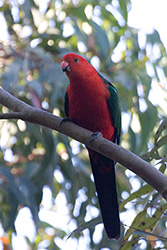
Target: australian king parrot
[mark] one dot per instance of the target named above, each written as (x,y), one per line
(92,102)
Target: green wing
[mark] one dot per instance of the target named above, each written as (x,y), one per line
(114,109)
(66,104)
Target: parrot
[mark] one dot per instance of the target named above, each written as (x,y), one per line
(92,102)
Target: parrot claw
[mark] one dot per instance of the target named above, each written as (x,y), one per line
(67,119)
(95,135)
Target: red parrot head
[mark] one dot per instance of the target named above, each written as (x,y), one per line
(75,66)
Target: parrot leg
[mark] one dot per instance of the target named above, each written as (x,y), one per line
(67,119)
(95,135)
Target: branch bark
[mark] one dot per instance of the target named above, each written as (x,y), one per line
(115,152)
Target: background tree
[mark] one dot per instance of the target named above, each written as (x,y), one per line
(35,160)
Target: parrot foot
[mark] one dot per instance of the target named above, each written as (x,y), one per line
(67,119)
(95,135)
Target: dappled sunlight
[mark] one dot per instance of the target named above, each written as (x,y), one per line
(47,191)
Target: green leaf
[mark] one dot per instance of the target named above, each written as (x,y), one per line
(142,222)
(161,142)
(132,139)
(154,37)
(123,6)
(161,128)
(28,190)
(8,179)
(85,225)
(101,40)
(12,195)
(78,12)
(148,120)
(142,191)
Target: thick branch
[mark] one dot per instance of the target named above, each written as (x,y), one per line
(131,161)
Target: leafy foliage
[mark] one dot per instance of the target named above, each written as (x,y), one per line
(35,159)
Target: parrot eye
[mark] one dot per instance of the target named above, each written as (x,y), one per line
(76,60)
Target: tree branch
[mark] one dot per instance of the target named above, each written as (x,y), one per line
(115,152)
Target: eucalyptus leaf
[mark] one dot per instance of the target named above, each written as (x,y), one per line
(101,40)
(89,224)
